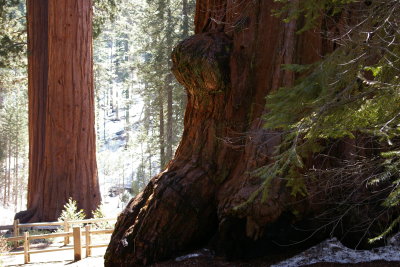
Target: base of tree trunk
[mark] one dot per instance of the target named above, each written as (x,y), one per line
(177,214)
(26,216)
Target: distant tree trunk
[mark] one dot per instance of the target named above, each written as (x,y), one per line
(117,106)
(61,109)
(185,34)
(128,105)
(22,184)
(161,136)
(105,110)
(150,162)
(7,168)
(228,68)
(16,174)
(160,54)
(185,23)
(169,89)
(169,141)
(9,182)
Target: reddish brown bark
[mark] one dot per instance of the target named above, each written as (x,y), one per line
(61,109)
(228,68)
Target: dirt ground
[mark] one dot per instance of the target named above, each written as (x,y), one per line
(60,258)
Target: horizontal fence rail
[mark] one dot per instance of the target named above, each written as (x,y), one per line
(6,227)
(28,225)
(76,233)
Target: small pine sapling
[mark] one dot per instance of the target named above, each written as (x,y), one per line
(71,212)
(98,214)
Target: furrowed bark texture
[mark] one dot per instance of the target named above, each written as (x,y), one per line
(228,67)
(61,109)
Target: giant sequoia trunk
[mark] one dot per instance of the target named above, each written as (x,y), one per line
(228,67)
(61,109)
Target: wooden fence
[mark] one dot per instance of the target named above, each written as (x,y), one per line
(76,234)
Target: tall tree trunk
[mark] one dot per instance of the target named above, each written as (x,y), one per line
(161,137)
(61,109)
(16,174)
(169,141)
(22,184)
(185,34)
(169,88)
(228,67)
(185,22)
(9,181)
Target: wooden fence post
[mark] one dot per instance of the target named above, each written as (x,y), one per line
(27,256)
(66,229)
(16,231)
(77,243)
(88,241)
(17,227)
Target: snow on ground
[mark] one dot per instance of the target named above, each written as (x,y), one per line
(118,149)
(112,206)
(332,250)
(329,251)
(202,253)
(7,216)
(114,135)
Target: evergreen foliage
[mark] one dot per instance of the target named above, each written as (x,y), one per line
(13,40)
(353,91)
(12,33)
(13,103)
(103,11)
(71,212)
(98,214)
(311,10)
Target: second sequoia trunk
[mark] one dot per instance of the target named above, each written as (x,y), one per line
(62,143)
(228,68)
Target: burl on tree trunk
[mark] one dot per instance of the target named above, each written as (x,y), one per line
(228,67)
(62,143)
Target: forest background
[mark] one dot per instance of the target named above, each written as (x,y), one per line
(139,105)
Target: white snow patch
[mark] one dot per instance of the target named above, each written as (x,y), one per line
(203,252)
(188,256)
(7,216)
(112,206)
(332,250)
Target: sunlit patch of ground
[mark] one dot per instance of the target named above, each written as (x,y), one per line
(7,215)
(60,258)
